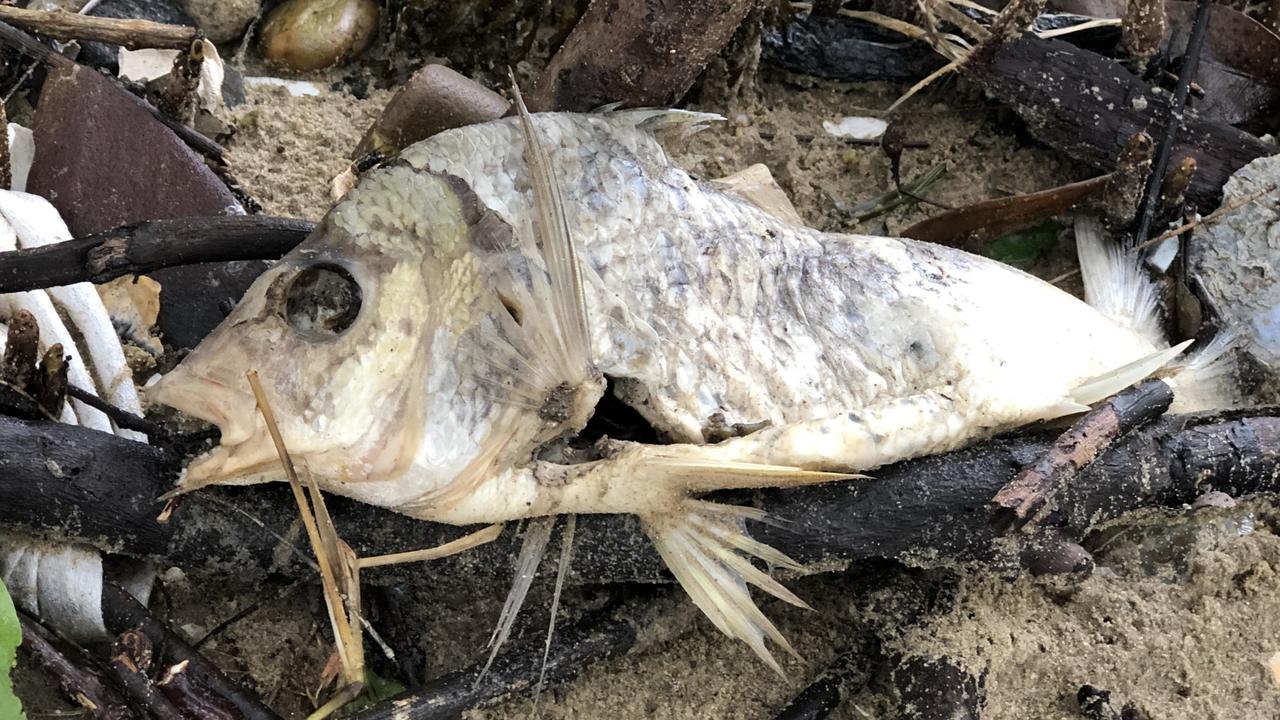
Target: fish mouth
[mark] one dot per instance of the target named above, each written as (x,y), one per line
(245,454)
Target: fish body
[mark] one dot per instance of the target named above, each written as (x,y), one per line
(477,346)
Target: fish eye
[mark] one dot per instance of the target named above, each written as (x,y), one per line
(322,301)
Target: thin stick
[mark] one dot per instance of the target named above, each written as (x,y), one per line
(341,628)
(1187,227)
(1177,112)
(133,34)
(466,542)
(1018,502)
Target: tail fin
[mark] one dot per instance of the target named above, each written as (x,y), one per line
(707,549)
(1206,379)
(1115,283)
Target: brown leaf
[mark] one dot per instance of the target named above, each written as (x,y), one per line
(964,227)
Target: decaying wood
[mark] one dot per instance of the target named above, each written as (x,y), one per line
(937,689)
(83,685)
(129,665)
(174,93)
(78,484)
(1175,121)
(192,698)
(1142,28)
(133,34)
(839,48)
(1018,502)
(851,668)
(122,613)
(152,245)
(642,53)
(1088,106)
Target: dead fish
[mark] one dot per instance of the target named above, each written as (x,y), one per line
(435,346)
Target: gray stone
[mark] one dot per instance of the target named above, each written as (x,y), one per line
(1236,263)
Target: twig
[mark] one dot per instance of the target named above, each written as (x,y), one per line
(148,246)
(120,611)
(1177,112)
(194,699)
(82,685)
(128,666)
(133,34)
(850,669)
(28,44)
(1187,227)
(1022,498)
(122,418)
(604,633)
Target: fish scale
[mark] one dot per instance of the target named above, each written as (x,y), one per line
(704,304)
(506,269)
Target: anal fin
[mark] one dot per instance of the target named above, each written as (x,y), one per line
(1109,383)
(707,549)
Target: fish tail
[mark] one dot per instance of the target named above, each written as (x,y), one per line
(1208,377)
(708,550)
(1115,283)
(1117,286)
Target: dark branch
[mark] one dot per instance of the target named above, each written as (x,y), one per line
(148,246)
(79,484)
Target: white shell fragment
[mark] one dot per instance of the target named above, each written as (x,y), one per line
(296,88)
(857,128)
(22,152)
(61,584)
(149,63)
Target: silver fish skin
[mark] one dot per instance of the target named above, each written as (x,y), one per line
(707,312)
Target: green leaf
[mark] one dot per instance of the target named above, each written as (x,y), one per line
(1025,246)
(10,638)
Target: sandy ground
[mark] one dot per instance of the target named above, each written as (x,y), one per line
(1179,618)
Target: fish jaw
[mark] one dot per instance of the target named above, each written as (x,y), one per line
(246,453)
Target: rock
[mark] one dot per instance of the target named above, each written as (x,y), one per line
(223,20)
(105,56)
(313,34)
(435,99)
(1236,263)
(103,161)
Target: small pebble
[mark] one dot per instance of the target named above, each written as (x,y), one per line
(313,34)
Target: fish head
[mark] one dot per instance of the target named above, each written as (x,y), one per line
(340,332)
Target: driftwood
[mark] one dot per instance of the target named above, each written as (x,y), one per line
(81,682)
(1018,502)
(642,53)
(133,34)
(148,246)
(79,484)
(1088,106)
(192,680)
(839,48)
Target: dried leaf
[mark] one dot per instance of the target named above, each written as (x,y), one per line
(967,226)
